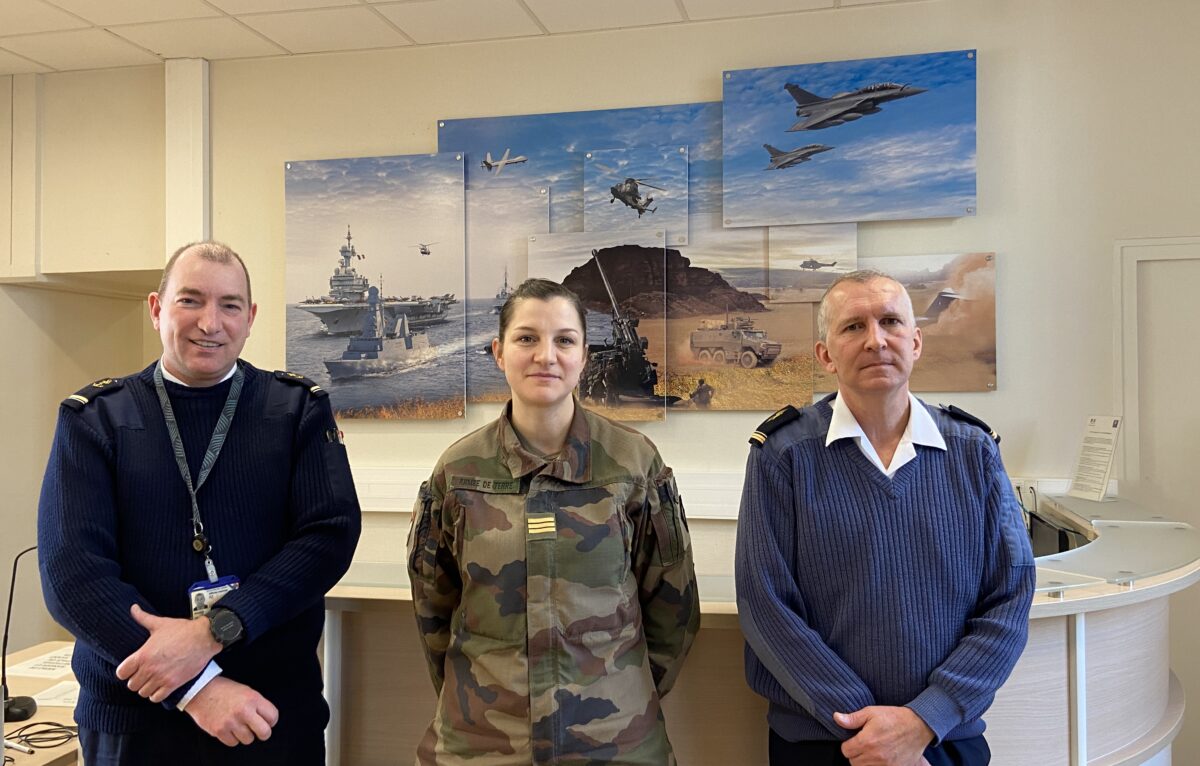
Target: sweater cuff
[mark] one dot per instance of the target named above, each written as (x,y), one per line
(939,712)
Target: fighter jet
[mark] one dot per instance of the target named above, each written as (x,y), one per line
(942,301)
(781,159)
(844,107)
(814,265)
(488,163)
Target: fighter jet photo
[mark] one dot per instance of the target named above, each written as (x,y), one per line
(844,107)
(781,159)
(489,164)
(813,264)
(942,301)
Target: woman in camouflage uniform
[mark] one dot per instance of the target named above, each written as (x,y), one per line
(551,568)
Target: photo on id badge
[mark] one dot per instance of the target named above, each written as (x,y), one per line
(204,594)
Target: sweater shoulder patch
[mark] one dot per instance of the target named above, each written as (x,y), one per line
(772,424)
(297,379)
(966,417)
(81,398)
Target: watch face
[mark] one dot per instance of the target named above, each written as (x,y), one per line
(226,627)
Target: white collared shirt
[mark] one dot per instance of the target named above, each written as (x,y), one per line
(920,429)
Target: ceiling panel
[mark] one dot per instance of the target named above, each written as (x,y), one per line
(19,17)
(580,15)
(444,21)
(266,6)
(723,9)
(12,64)
(221,38)
(337,29)
(81,49)
(105,12)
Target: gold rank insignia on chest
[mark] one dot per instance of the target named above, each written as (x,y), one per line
(541,526)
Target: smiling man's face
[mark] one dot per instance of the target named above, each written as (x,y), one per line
(203,317)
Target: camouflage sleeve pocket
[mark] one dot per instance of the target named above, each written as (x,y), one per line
(667,516)
(422,545)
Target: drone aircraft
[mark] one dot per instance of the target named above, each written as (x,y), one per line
(844,107)
(781,159)
(489,164)
(813,265)
(628,193)
(424,248)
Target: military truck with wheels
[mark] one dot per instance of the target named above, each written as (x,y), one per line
(733,341)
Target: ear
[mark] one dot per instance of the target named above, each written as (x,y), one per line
(155,303)
(822,353)
(918,343)
(253,313)
(498,353)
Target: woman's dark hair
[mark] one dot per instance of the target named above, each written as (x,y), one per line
(542,290)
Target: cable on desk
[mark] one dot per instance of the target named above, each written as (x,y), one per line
(8,759)
(43,734)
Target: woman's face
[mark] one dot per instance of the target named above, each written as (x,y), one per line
(542,352)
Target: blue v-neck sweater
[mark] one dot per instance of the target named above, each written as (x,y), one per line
(855,589)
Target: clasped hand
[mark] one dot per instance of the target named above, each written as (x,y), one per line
(176,651)
(887,736)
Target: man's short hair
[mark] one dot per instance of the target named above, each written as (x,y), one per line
(862,276)
(209,250)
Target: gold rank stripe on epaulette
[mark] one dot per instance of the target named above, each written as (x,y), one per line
(89,392)
(772,424)
(541,525)
(300,380)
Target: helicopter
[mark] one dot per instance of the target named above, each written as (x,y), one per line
(627,193)
(424,248)
(812,264)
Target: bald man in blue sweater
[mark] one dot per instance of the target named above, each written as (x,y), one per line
(884,575)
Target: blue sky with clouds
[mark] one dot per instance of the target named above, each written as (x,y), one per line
(391,204)
(665,167)
(913,159)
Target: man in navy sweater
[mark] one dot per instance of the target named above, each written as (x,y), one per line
(200,480)
(884,575)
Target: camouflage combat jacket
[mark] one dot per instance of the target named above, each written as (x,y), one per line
(556,599)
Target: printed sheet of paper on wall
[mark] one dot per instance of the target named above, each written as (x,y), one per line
(620,281)
(954,301)
(375,273)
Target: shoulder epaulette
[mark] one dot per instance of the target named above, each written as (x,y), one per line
(297,379)
(77,400)
(773,423)
(966,417)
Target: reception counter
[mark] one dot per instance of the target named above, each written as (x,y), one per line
(1093,686)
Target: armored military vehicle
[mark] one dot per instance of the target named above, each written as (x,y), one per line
(733,340)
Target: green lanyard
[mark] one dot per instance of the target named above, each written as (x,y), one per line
(200,542)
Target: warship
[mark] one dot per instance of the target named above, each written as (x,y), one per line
(502,296)
(374,352)
(343,309)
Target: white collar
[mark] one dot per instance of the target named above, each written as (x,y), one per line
(920,428)
(168,376)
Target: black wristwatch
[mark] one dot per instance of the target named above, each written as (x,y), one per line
(225,626)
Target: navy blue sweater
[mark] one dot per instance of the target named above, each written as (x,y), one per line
(855,589)
(114,528)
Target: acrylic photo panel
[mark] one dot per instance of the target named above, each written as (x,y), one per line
(866,140)
(637,189)
(805,260)
(500,220)
(954,302)
(555,144)
(374,276)
(620,279)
